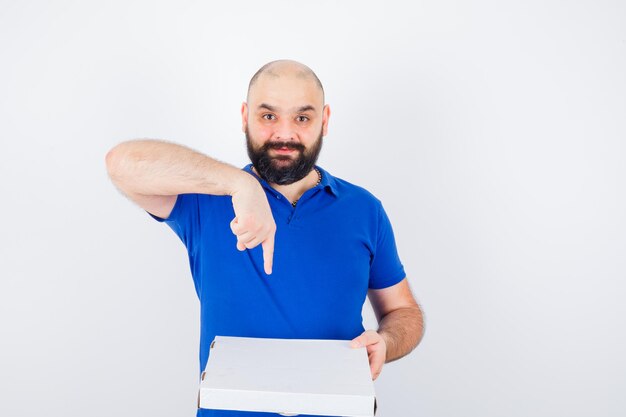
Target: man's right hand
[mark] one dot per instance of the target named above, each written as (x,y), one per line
(253,223)
(154,172)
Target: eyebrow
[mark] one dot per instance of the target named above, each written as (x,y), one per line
(301,109)
(306,108)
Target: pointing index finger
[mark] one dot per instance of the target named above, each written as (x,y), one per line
(268,254)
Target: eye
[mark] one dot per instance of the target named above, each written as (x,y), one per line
(269,116)
(302,119)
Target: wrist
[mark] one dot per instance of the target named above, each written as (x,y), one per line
(242,181)
(387,340)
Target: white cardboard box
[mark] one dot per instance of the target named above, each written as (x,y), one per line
(288,376)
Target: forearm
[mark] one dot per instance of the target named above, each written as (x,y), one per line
(154,167)
(402,330)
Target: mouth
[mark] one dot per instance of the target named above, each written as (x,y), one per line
(284,151)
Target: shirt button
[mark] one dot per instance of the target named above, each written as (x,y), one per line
(278,197)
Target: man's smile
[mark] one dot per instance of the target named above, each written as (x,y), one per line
(284,151)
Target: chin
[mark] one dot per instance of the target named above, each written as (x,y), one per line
(282,163)
(284,159)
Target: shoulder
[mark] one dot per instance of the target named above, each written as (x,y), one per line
(354,193)
(360,204)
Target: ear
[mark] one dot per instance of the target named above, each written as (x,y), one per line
(244,116)
(325,116)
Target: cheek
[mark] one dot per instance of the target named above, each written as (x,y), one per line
(260,132)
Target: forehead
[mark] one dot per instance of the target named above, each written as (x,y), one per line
(285,91)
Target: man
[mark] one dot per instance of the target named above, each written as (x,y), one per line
(280,248)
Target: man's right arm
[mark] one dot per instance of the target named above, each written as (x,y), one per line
(152,173)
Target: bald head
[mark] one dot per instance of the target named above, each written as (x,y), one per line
(285,68)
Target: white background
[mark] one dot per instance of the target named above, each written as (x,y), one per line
(493,132)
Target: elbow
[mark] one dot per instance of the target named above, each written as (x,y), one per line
(127,153)
(112,162)
(108,159)
(118,160)
(421,323)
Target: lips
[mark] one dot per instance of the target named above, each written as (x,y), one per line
(284,151)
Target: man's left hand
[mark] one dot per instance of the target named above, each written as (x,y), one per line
(376,350)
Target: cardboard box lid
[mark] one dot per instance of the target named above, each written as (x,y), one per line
(288,376)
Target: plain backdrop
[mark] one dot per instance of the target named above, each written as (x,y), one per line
(493,131)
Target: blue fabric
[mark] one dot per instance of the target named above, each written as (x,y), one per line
(329,250)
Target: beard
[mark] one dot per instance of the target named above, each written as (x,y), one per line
(283,169)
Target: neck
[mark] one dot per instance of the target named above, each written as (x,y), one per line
(294,191)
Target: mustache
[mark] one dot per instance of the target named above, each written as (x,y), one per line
(279,145)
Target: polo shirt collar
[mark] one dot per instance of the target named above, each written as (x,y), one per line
(328,182)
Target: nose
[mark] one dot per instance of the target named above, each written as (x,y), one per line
(285,131)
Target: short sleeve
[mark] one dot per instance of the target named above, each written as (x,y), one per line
(184,219)
(385,267)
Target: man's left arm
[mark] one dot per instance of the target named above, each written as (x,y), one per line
(400,326)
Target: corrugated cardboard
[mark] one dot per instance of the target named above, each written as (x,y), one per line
(288,376)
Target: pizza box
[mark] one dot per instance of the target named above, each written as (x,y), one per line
(288,376)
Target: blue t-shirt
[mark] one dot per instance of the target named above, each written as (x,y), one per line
(333,246)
